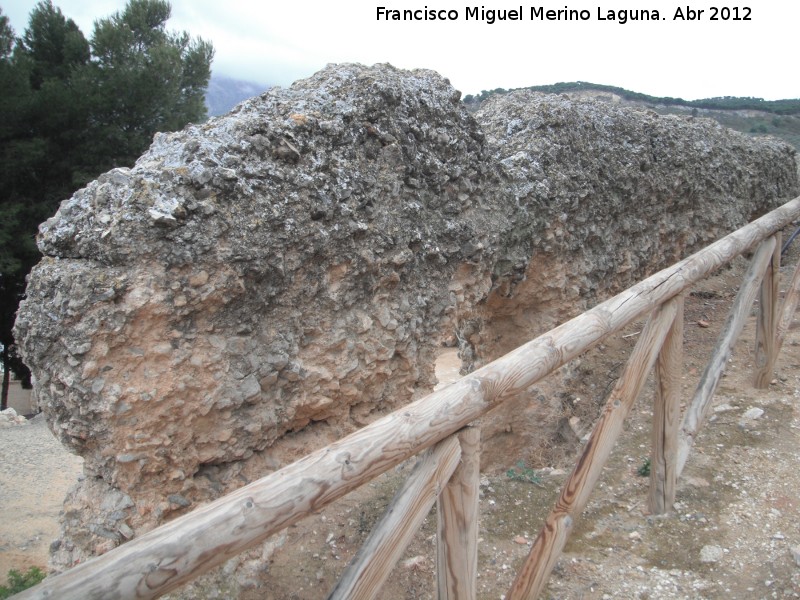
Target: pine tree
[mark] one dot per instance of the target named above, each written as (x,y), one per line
(164,76)
(71,110)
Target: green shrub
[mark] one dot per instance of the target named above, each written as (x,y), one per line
(18,582)
(523,473)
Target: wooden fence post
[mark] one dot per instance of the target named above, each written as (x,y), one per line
(788,308)
(701,402)
(666,416)
(369,569)
(533,575)
(457,524)
(767,326)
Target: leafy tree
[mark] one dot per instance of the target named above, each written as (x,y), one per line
(6,36)
(164,76)
(53,44)
(17,252)
(73,108)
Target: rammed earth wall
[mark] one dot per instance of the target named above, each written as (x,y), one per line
(278,276)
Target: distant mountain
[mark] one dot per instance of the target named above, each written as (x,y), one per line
(754,116)
(224,93)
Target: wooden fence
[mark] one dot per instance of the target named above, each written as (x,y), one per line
(448,471)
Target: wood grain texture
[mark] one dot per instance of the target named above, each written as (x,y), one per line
(666,416)
(366,574)
(536,569)
(788,308)
(165,558)
(767,325)
(698,410)
(457,524)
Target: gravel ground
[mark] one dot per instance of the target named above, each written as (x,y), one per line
(35,473)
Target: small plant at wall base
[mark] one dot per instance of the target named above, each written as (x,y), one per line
(644,470)
(523,473)
(18,582)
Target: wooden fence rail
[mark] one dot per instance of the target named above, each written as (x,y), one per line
(366,574)
(165,558)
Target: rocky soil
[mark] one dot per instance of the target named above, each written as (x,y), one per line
(735,531)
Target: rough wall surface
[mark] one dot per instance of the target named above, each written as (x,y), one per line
(283,265)
(608,195)
(293,266)
(605,196)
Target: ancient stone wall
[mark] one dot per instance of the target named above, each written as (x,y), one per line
(276,277)
(605,196)
(608,195)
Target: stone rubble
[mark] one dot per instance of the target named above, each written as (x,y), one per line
(10,418)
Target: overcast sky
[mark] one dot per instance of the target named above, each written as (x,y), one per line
(270,42)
